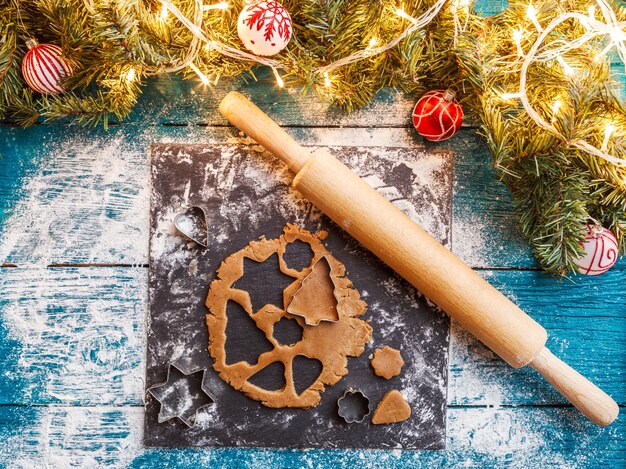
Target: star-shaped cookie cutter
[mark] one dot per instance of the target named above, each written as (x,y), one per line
(177,399)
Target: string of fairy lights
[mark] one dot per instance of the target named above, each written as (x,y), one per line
(371,50)
(617,39)
(608,27)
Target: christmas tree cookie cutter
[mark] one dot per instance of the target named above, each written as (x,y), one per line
(300,306)
(192,223)
(180,397)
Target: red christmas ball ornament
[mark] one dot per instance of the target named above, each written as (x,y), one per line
(264,27)
(43,67)
(601,251)
(437,115)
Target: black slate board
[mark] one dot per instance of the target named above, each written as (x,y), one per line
(246,194)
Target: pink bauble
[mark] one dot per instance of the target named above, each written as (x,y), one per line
(264,27)
(43,67)
(437,115)
(601,251)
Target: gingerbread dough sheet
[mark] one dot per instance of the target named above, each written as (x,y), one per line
(246,196)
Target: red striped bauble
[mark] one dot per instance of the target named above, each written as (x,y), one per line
(43,67)
(437,115)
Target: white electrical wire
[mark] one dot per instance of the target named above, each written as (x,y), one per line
(418,23)
(196,29)
(595,28)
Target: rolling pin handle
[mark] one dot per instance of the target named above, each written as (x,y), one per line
(589,399)
(245,115)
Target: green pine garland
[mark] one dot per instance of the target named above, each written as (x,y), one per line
(556,187)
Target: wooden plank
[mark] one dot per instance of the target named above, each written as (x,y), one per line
(84,193)
(76,336)
(177,101)
(69,436)
(173,100)
(485,231)
(585,322)
(14,166)
(72,335)
(477,437)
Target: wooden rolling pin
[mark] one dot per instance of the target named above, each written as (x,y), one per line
(403,245)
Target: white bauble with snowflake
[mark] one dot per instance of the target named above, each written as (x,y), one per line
(264,27)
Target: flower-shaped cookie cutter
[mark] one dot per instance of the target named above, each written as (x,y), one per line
(353,406)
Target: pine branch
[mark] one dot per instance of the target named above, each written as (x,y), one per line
(113,46)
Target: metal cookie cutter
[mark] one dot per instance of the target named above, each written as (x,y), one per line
(192,223)
(353,406)
(182,395)
(295,310)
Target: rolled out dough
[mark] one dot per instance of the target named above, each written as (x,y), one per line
(329,342)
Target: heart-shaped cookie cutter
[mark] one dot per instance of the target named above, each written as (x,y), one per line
(192,223)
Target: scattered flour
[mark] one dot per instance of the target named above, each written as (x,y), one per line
(89,324)
(468,239)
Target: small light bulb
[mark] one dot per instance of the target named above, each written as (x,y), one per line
(531,13)
(402,14)
(565,66)
(608,131)
(279,80)
(555,109)
(517,37)
(216,6)
(509,96)
(202,76)
(131,74)
(592,12)
(326,80)
(164,13)
(373,43)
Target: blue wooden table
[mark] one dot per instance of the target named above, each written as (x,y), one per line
(73,296)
